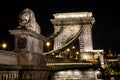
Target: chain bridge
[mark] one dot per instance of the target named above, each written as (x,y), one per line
(36,56)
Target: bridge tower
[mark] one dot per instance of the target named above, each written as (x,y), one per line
(71,24)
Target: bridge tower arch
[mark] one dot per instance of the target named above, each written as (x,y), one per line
(71,23)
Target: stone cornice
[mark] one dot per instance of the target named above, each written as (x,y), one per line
(73,21)
(8,53)
(27,32)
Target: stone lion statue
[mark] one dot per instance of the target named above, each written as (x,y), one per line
(27,20)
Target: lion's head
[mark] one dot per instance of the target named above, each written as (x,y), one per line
(27,20)
(25,17)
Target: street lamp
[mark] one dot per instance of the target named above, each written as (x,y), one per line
(77,53)
(67,52)
(48,45)
(68,49)
(73,47)
(4,45)
(73,51)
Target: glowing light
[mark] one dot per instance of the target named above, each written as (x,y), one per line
(77,52)
(47,43)
(4,45)
(53,53)
(73,47)
(85,57)
(68,49)
(98,51)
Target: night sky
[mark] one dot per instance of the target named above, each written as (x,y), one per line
(106,29)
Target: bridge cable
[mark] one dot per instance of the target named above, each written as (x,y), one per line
(66,44)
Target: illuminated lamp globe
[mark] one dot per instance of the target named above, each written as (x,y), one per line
(47,43)
(4,45)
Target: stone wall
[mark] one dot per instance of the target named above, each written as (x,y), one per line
(8,58)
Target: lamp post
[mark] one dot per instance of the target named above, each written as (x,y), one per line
(48,45)
(73,47)
(4,45)
(68,50)
(77,53)
(72,51)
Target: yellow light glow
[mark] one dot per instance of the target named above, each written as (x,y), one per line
(86,57)
(73,47)
(4,45)
(53,53)
(68,49)
(47,43)
(77,52)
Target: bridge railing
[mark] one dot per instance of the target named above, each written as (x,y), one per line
(9,75)
(51,59)
(24,74)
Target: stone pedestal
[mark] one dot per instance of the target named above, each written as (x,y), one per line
(27,43)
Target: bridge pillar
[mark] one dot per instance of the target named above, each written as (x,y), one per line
(72,23)
(28,40)
(85,39)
